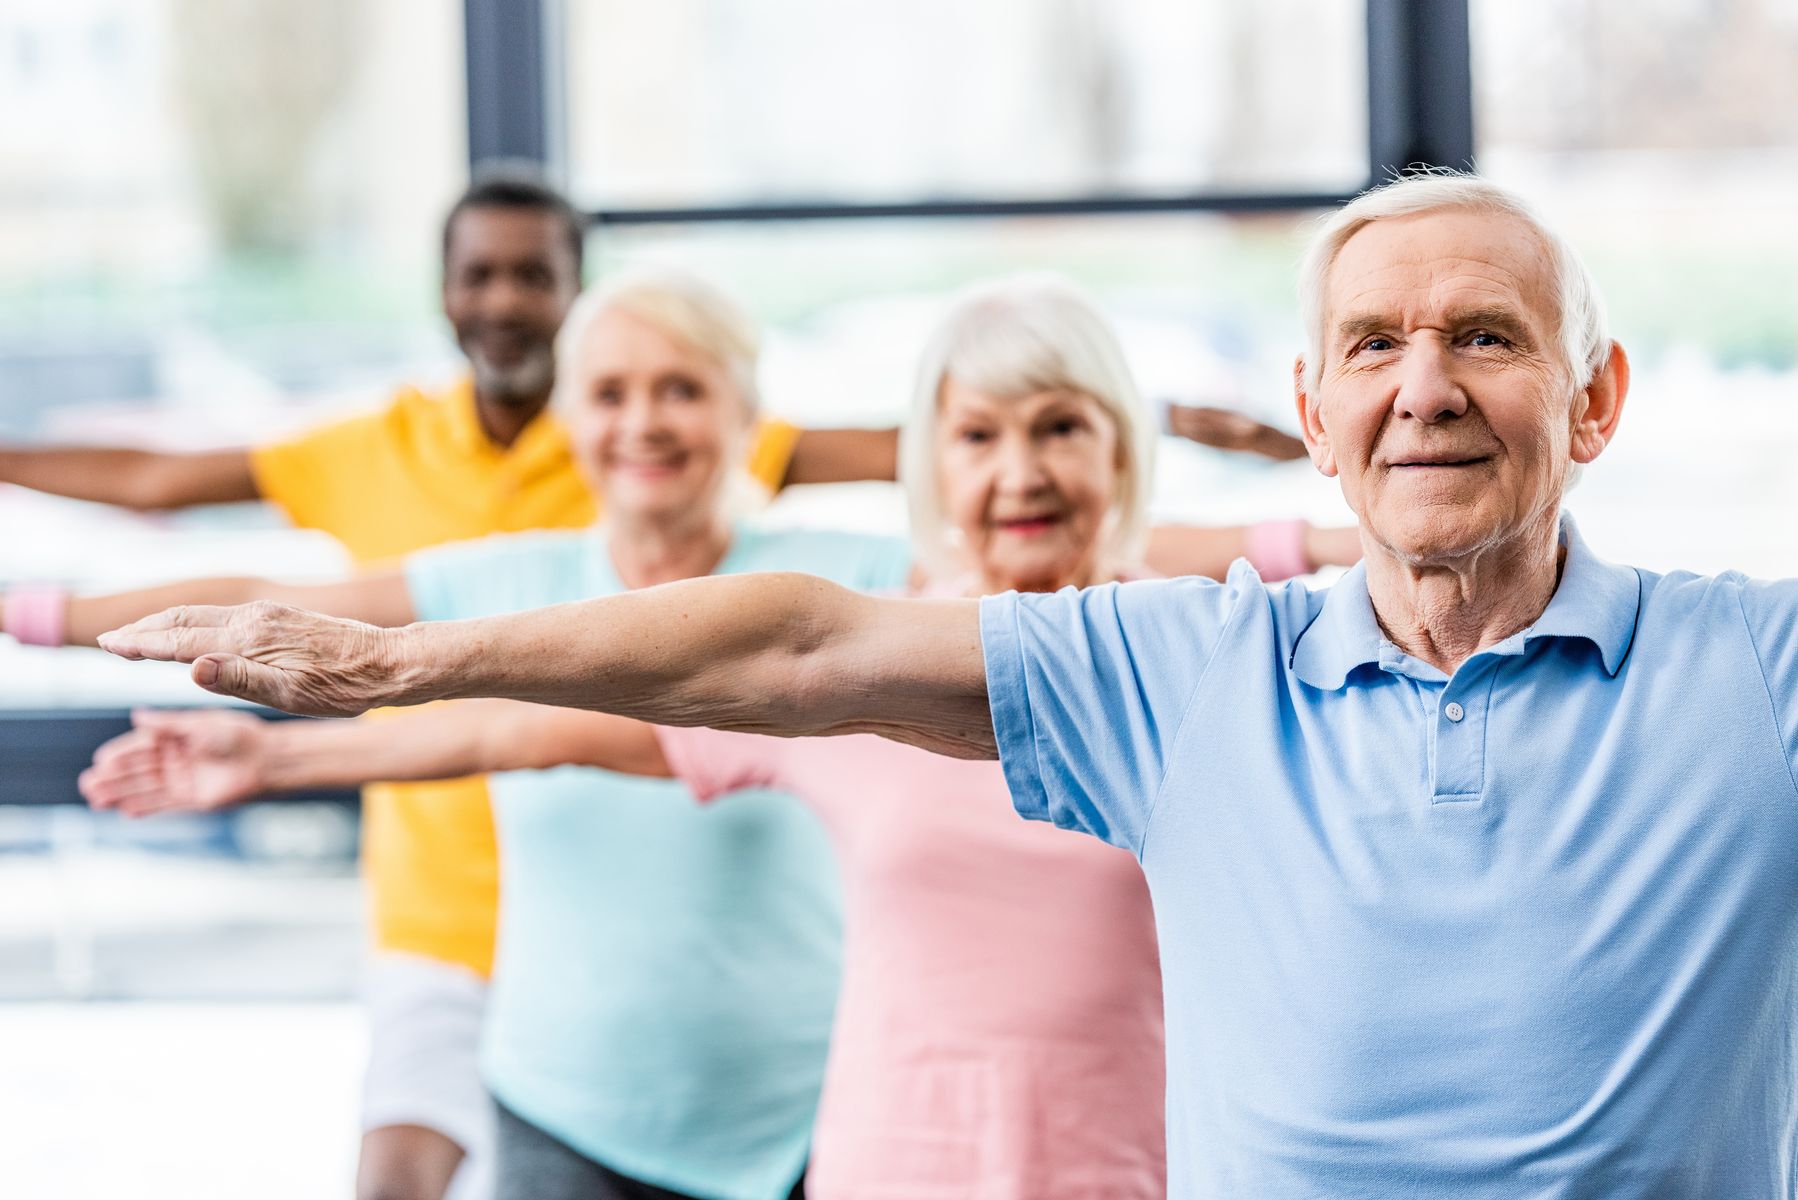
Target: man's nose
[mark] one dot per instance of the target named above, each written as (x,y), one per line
(1428,390)
(502,297)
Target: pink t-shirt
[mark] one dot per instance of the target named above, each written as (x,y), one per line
(998,1035)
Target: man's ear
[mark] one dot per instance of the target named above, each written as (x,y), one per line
(1311,424)
(1599,408)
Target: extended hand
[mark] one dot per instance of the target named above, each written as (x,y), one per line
(1333,547)
(1229,430)
(287,658)
(178,762)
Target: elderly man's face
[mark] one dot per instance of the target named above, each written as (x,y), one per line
(1444,404)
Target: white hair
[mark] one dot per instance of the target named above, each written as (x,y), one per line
(683,306)
(1584,336)
(1016,338)
(691,311)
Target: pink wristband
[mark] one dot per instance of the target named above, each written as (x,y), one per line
(1276,549)
(36,615)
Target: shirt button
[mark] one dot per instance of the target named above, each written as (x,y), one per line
(1453,711)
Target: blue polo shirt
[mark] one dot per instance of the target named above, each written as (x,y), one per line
(1529,930)
(666,972)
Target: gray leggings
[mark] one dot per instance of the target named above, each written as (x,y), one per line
(534,1165)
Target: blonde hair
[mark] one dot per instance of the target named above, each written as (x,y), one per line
(1015,338)
(1585,340)
(687,308)
(691,310)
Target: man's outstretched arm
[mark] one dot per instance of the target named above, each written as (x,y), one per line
(843,456)
(140,479)
(1227,429)
(781,654)
(850,455)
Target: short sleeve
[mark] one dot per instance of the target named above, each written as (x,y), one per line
(493,575)
(882,564)
(1088,690)
(713,762)
(304,475)
(771,454)
(854,560)
(1771,610)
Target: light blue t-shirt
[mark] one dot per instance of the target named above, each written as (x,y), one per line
(666,972)
(1527,931)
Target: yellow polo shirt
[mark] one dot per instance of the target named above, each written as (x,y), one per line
(419,473)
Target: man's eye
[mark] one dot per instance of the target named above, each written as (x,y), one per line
(1482,338)
(975,436)
(609,396)
(1377,344)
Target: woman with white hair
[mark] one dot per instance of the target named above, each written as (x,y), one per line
(991,1039)
(665,976)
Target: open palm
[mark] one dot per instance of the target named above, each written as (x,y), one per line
(178,762)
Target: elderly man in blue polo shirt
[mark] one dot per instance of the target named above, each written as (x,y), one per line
(1476,874)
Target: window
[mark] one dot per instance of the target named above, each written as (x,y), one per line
(693,102)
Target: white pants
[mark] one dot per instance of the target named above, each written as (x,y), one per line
(424,1035)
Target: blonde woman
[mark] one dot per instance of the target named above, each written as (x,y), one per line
(665,977)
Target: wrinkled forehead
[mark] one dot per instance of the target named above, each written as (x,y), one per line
(1418,269)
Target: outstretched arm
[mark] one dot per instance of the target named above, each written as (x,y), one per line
(843,456)
(1278,549)
(779,654)
(1227,429)
(140,479)
(202,760)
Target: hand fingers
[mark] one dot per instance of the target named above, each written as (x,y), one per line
(121,641)
(115,788)
(178,720)
(104,788)
(179,644)
(229,675)
(125,744)
(94,788)
(212,733)
(129,753)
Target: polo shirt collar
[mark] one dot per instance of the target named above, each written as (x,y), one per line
(465,431)
(1343,635)
(1596,601)
(541,445)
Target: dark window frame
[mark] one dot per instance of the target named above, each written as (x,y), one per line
(1420,113)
